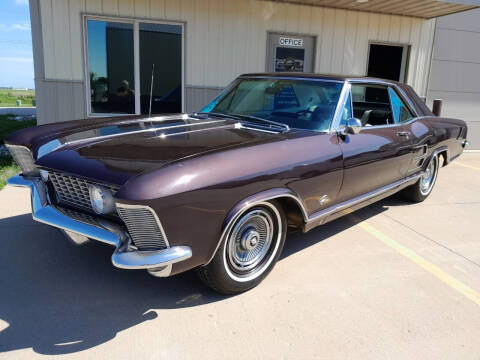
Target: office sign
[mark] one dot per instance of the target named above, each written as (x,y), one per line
(290,41)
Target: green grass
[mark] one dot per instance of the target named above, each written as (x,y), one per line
(8,126)
(8,168)
(8,97)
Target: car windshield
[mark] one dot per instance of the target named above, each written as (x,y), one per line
(301,104)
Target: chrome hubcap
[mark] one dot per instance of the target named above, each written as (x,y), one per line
(250,240)
(428,177)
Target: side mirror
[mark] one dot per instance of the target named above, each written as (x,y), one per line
(353,126)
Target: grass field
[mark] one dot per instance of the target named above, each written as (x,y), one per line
(9,97)
(7,165)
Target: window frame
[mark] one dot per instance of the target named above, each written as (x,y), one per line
(377,85)
(404,103)
(348,89)
(136,59)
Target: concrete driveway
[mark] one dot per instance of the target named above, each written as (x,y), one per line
(391,281)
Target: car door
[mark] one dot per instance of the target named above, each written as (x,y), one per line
(417,131)
(380,153)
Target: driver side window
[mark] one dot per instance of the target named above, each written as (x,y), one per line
(371,104)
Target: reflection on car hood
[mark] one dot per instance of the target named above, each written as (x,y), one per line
(114,153)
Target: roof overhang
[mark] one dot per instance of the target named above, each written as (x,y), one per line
(426,9)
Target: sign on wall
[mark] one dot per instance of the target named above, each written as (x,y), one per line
(287,41)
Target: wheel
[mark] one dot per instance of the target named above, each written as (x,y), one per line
(423,187)
(249,250)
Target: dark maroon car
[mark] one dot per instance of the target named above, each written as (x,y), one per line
(217,190)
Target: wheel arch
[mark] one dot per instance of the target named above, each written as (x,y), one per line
(442,151)
(292,205)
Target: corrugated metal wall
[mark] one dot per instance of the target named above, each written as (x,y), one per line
(455,75)
(227,37)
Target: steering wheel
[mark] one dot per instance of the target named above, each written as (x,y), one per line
(304,113)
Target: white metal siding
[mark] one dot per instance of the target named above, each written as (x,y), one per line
(228,37)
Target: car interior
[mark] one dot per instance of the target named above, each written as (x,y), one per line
(371,104)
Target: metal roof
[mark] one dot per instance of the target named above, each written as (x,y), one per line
(426,9)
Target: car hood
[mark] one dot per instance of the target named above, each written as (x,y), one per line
(114,153)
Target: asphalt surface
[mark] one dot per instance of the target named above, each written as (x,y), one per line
(391,281)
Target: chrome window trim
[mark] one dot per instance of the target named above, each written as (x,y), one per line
(335,124)
(159,224)
(388,84)
(400,93)
(289,78)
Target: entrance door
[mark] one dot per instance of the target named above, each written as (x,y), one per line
(290,53)
(160,51)
(388,61)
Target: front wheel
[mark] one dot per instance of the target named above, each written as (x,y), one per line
(249,250)
(423,187)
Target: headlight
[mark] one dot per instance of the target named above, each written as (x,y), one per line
(101,199)
(23,157)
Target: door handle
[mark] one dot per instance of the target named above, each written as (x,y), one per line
(403,133)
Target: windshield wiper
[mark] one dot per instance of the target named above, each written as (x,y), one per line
(218,114)
(246,117)
(259,119)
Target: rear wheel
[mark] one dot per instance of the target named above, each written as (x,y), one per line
(423,187)
(249,250)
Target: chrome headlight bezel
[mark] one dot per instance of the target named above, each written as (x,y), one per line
(101,199)
(24,159)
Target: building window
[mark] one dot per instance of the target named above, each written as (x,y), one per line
(130,62)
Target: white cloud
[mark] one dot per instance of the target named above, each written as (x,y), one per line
(21,2)
(22,27)
(15,27)
(16,59)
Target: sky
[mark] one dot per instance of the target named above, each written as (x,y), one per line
(16,55)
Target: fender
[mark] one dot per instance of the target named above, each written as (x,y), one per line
(253,200)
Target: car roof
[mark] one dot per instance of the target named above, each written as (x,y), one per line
(307,76)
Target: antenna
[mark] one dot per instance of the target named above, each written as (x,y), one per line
(151,92)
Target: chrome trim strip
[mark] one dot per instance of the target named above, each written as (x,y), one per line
(110,233)
(334,125)
(315,216)
(359,199)
(346,91)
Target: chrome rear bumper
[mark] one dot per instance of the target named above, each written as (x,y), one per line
(158,262)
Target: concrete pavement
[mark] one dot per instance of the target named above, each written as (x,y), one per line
(393,280)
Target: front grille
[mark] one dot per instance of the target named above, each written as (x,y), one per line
(144,229)
(72,190)
(80,216)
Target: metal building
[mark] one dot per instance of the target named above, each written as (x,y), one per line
(96,57)
(455,73)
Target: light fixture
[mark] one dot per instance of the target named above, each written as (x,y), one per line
(101,199)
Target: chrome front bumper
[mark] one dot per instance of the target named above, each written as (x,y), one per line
(158,262)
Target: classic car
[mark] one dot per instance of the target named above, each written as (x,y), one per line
(217,190)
